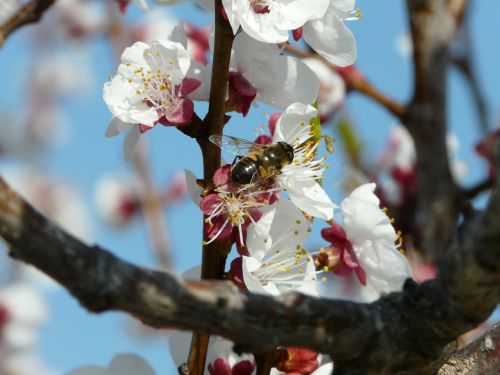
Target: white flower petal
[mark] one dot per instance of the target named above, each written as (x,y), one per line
(122,101)
(282,226)
(252,283)
(309,196)
(178,34)
(363,218)
(373,238)
(295,13)
(289,124)
(131,140)
(116,126)
(231,9)
(283,81)
(326,369)
(331,38)
(194,190)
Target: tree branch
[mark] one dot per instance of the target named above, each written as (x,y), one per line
(29,13)
(214,254)
(434,25)
(481,357)
(400,332)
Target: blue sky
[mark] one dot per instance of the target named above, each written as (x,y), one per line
(74,337)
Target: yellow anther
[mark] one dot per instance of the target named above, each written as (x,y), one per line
(323,279)
(326,269)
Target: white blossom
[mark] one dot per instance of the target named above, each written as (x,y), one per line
(150,87)
(269,20)
(300,178)
(259,71)
(26,312)
(277,260)
(372,244)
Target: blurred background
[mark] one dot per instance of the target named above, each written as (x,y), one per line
(53,150)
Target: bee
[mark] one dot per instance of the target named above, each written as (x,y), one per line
(254,162)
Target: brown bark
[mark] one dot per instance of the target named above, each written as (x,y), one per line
(434,25)
(29,13)
(403,333)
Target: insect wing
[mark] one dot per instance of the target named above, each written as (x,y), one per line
(237,146)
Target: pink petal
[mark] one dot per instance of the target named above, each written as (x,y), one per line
(273,119)
(209,202)
(361,274)
(222,175)
(342,270)
(182,114)
(219,367)
(188,85)
(241,84)
(349,257)
(297,33)
(264,139)
(245,367)
(333,233)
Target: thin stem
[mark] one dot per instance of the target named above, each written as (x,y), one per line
(213,254)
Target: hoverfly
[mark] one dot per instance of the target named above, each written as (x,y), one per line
(254,161)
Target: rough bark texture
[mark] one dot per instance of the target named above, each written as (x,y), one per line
(434,25)
(482,357)
(402,333)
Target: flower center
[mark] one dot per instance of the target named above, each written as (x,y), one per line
(285,268)
(156,88)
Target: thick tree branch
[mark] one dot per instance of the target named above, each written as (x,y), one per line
(401,333)
(31,12)
(481,357)
(434,25)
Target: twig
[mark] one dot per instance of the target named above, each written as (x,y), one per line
(402,331)
(152,208)
(356,82)
(475,190)
(214,254)
(29,13)
(465,64)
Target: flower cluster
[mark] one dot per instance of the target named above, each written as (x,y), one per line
(268,199)
(319,22)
